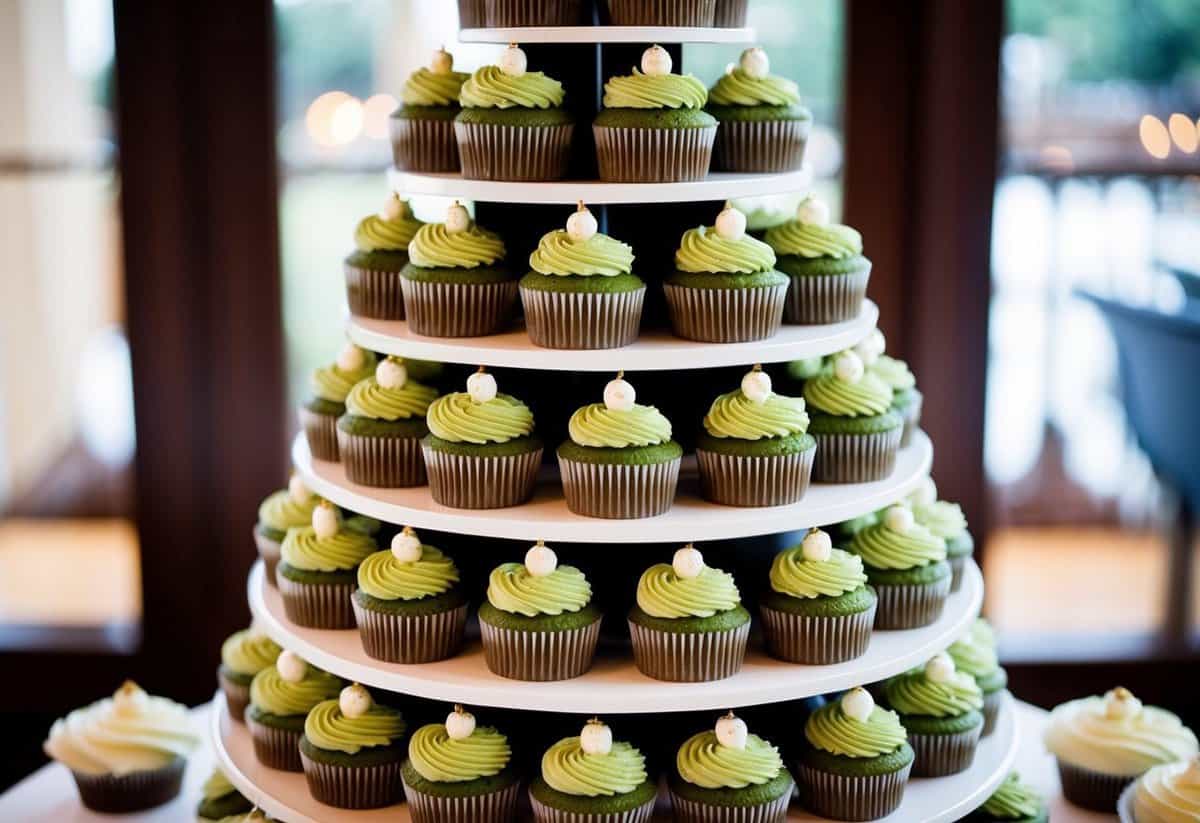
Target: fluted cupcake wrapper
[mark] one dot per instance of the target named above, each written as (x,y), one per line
(850,797)
(471,14)
(1087,789)
(817,641)
(269,551)
(957,564)
(320,430)
(627,154)
(494,152)
(425,146)
(540,656)
(503,14)
(769,480)
(938,755)
(317,605)
(275,748)
(548,814)
(374,293)
(689,657)
(662,12)
(469,482)
(911,605)
(993,703)
(353,787)
(725,315)
(730,14)
(133,792)
(382,462)
(760,145)
(618,491)
(403,638)
(458,309)
(855,458)
(825,298)
(577,320)
(237,696)
(691,811)
(499,806)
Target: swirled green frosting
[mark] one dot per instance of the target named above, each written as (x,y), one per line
(914,693)
(327,728)
(832,730)
(600,254)
(273,694)
(567,768)
(428,88)
(893,372)
(433,247)
(663,593)
(830,394)
(438,757)
(369,399)
(302,549)
(597,425)
(815,239)
(280,511)
(737,88)
(1013,800)
(703,250)
(333,384)
(735,415)
(375,233)
(704,762)
(883,548)
(491,88)
(793,575)
(654,91)
(383,576)
(512,589)
(944,519)
(459,419)
(973,654)
(216,786)
(248,652)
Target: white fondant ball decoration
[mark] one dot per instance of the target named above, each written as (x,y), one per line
(354,701)
(351,358)
(129,698)
(730,224)
(541,560)
(858,704)
(817,546)
(755,63)
(582,225)
(877,342)
(867,351)
(756,385)
(391,374)
(656,61)
(688,562)
(291,666)
(925,492)
(619,395)
(406,546)
(442,62)
(940,668)
(1120,704)
(596,738)
(732,732)
(813,211)
(513,61)
(297,490)
(482,387)
(849,367)
(460,724)
(458,219)
(325,521)
(899,519)
(392,208)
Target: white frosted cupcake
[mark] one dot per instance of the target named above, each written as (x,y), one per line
(1169,793)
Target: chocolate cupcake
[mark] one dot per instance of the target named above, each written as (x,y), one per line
(243,655)
(689,624)
(582,293)
(221,801)
(282,510)
(1169,793)
(947,521)
(408,604)
(906,566)
(329,386)
(515,14)
(1015,802)
(724,288)
(763,127)
(422,129)
(620,461)
(373,286)
(127,753)
(975,654)
(539,622)
(592,779)
(686,13)
(280,698)
(754,449)
(653,127)
(513,125)
(318,571)
(940,708)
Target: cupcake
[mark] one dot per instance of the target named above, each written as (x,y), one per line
(1102,744)
(730,14)
(686,13)
(329,386)
(592,779)
(857,431)
(408,604)
(280,698)
(513,14)
(1015,802)
(825,264)
(539,622)
(906,566)
(947,521)
(318,572)
(379,436)
(1169,793)
(819,609)
(689,624)
(513,125)
(471,14)
(906,399)
(653,127)
(282,510)
(128,752)
(754,449)
(243,655)
(455,283)
(481,451)
(220,800)
(724,288)
(940,708)
(581,293)
(620,461)
(975,654)
(373,287)
(422,129)
(459,771)
(728,775)
(763,126)
(855,761)
(351,751)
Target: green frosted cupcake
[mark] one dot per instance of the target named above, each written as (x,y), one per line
(763,126)
(906,399)
(754,449)
(317,573)
(940,708)
(280,698)
(243,655)
(653,127)
(373,286)
(1016,802)
(729,775)
(948,522)
(689,624)
(906,565)
(539,622)
(581,292)
(328,387)
(512,125)
(592,779)
(220,800)
(280,511)
(422,129)
(620,461)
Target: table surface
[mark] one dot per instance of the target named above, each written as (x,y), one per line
(49,794)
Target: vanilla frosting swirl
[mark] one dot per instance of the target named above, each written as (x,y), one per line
(248,652)
(702,249)
(1082,733)
(598,426)
(663,593)
(654,91)
(737,416)
(815,239)
(703,761)
(274,695)
(491,88)
(303,549)
(459,419)
(883,548)
(435,247)
(1169,793)
(557,253)
(442,759)
(914,693)
(737,88)
(796,576)
(567,768)
(830,729)
(513,589)
(430,88)
(328,729)
(369,399)
(830,394)
(384,577)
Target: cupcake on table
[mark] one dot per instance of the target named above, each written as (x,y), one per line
(373,287)
(1169,793)
(906,398)
(941,708)
(975,654)
(947,521)
(220,801)
(281,697)
(906,566)
(318,571)
(763,126)
(422,128)
(686,13)
(1013,802)
(281,510)
(243,655)
(329,386)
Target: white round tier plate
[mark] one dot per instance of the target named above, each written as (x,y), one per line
(546,516)
(613,685)
(654,350)
(716,186)
(607,34)
(284,795)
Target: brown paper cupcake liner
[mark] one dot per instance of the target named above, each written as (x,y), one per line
(548,814)
(574,320)
(382,462)
(458,309)
(770,480)
(938,755)
(825,298)
(662,12)
(471,14)
(317,605)
(425,146)
(689,657)
(499,806)
(912,421)
(541,656)
(133,792)
(627,154)
(855,458)
(993,703)
(618,491)
(1091,790)
(725,315)
(493,152)
(353,787)
(503,14)
(237,696)
(320,430)
(275,748)
(760,146)
(817,641)
(374,293)
(957,564)
(269,551)
(910,606)
(847,797)
(399,638)
(467,482)
(730,14)
(691,811)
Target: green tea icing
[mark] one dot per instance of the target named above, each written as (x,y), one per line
(830,394)
(704,762)
(1013,800)
(459,419)
(654,91)
(438,757)
(567,768)
(793,575)
(830,729)
(281,511)
(376,233)
(248,652)
(434,247)
(327,728)
(332,383)
(735,415)
(491,88)
(599,426)
(274,695)
(663,593)
(302,549)
(973,654)
(429,88)
(914,693)
(856,524)
(703,250)
(893,372)
(600,254)
(944,519)
(737,88)
(512,589)
(815,239)
(369,399)
(383,576)
(884,548)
